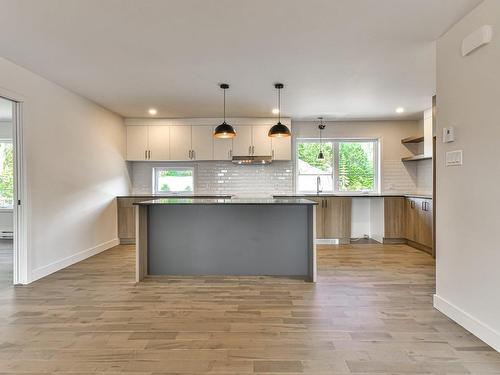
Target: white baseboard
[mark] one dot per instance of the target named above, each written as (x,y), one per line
(471,324)
(43,271)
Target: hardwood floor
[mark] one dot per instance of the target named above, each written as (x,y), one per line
(370,312)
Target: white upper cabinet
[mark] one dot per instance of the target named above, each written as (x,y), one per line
(177,140)
(159,142)
(261,142)
(201,143)
(242,143)
(180,143)
(282,148)
(137,142)
(223,148)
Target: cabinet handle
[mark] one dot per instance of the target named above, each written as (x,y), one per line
(194,155)
(231,153)
(149,154)
(412,204)
(253,150)
(249,150)
(146,154)
(189,154)
(326,203)
(272,154)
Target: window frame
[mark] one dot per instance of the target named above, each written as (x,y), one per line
(335,166)
(175,167)
(9,209)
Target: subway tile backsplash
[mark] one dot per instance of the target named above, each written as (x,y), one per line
(222,177)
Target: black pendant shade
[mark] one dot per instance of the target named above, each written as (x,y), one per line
(279,130)
(224,130)
(321,127)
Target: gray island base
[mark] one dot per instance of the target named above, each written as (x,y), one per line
(244,237)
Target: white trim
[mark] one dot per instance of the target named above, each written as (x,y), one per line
(470,323)
(43,271)
(213,121)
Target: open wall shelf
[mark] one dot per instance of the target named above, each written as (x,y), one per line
(416,158)
(416,139)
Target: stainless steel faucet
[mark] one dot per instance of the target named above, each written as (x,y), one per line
(318,185)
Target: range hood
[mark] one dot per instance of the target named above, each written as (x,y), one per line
(249,160)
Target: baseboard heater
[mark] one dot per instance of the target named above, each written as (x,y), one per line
(6,235)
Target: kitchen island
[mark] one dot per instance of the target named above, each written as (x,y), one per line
(217,236)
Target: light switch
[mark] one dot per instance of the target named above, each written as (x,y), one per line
(453,158)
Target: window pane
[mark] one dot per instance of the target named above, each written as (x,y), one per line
(6,175)
(308,183)
(356,166)
(175,181)
(308,162)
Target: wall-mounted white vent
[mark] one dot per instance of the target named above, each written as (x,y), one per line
(478,38)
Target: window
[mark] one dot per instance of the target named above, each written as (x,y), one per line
(348,166)
(6,174)
(174,180)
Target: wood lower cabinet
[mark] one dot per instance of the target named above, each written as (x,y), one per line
(126,218)
(418,214)
(394,220)
(320,231)
(337,218)
(333,218)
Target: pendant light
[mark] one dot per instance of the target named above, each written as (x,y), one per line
(224,130)
(321,127)
(279,130)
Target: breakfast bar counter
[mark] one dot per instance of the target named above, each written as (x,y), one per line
(218,236)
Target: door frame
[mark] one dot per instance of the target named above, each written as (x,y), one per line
(21,274)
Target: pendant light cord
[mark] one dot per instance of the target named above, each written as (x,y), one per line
(224,105)
(279,105)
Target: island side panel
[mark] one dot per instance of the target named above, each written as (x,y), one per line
(312,243)
(229,239)
(141,242)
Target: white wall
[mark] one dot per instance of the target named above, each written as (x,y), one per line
(468,200)
(396,176)
(74,168)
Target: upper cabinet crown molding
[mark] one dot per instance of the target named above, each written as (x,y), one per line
(213,121)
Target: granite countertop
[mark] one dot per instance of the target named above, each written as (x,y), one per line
(225,201)
(381,195)
(194,196)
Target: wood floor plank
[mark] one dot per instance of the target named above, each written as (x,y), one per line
(369,313)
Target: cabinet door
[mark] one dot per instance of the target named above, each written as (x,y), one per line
(201,142)
(281,148)
(424,230)
(411,214)
(159,142)
(320,233)
(261,142)
(126,219)
(180,142)
(338,218)
(394,217)
(137,142)
(242,143)
(223,149)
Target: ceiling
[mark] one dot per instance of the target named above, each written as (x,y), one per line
(342,59)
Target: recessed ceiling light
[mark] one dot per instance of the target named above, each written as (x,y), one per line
(276,111)
(152,111)
(400,110)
